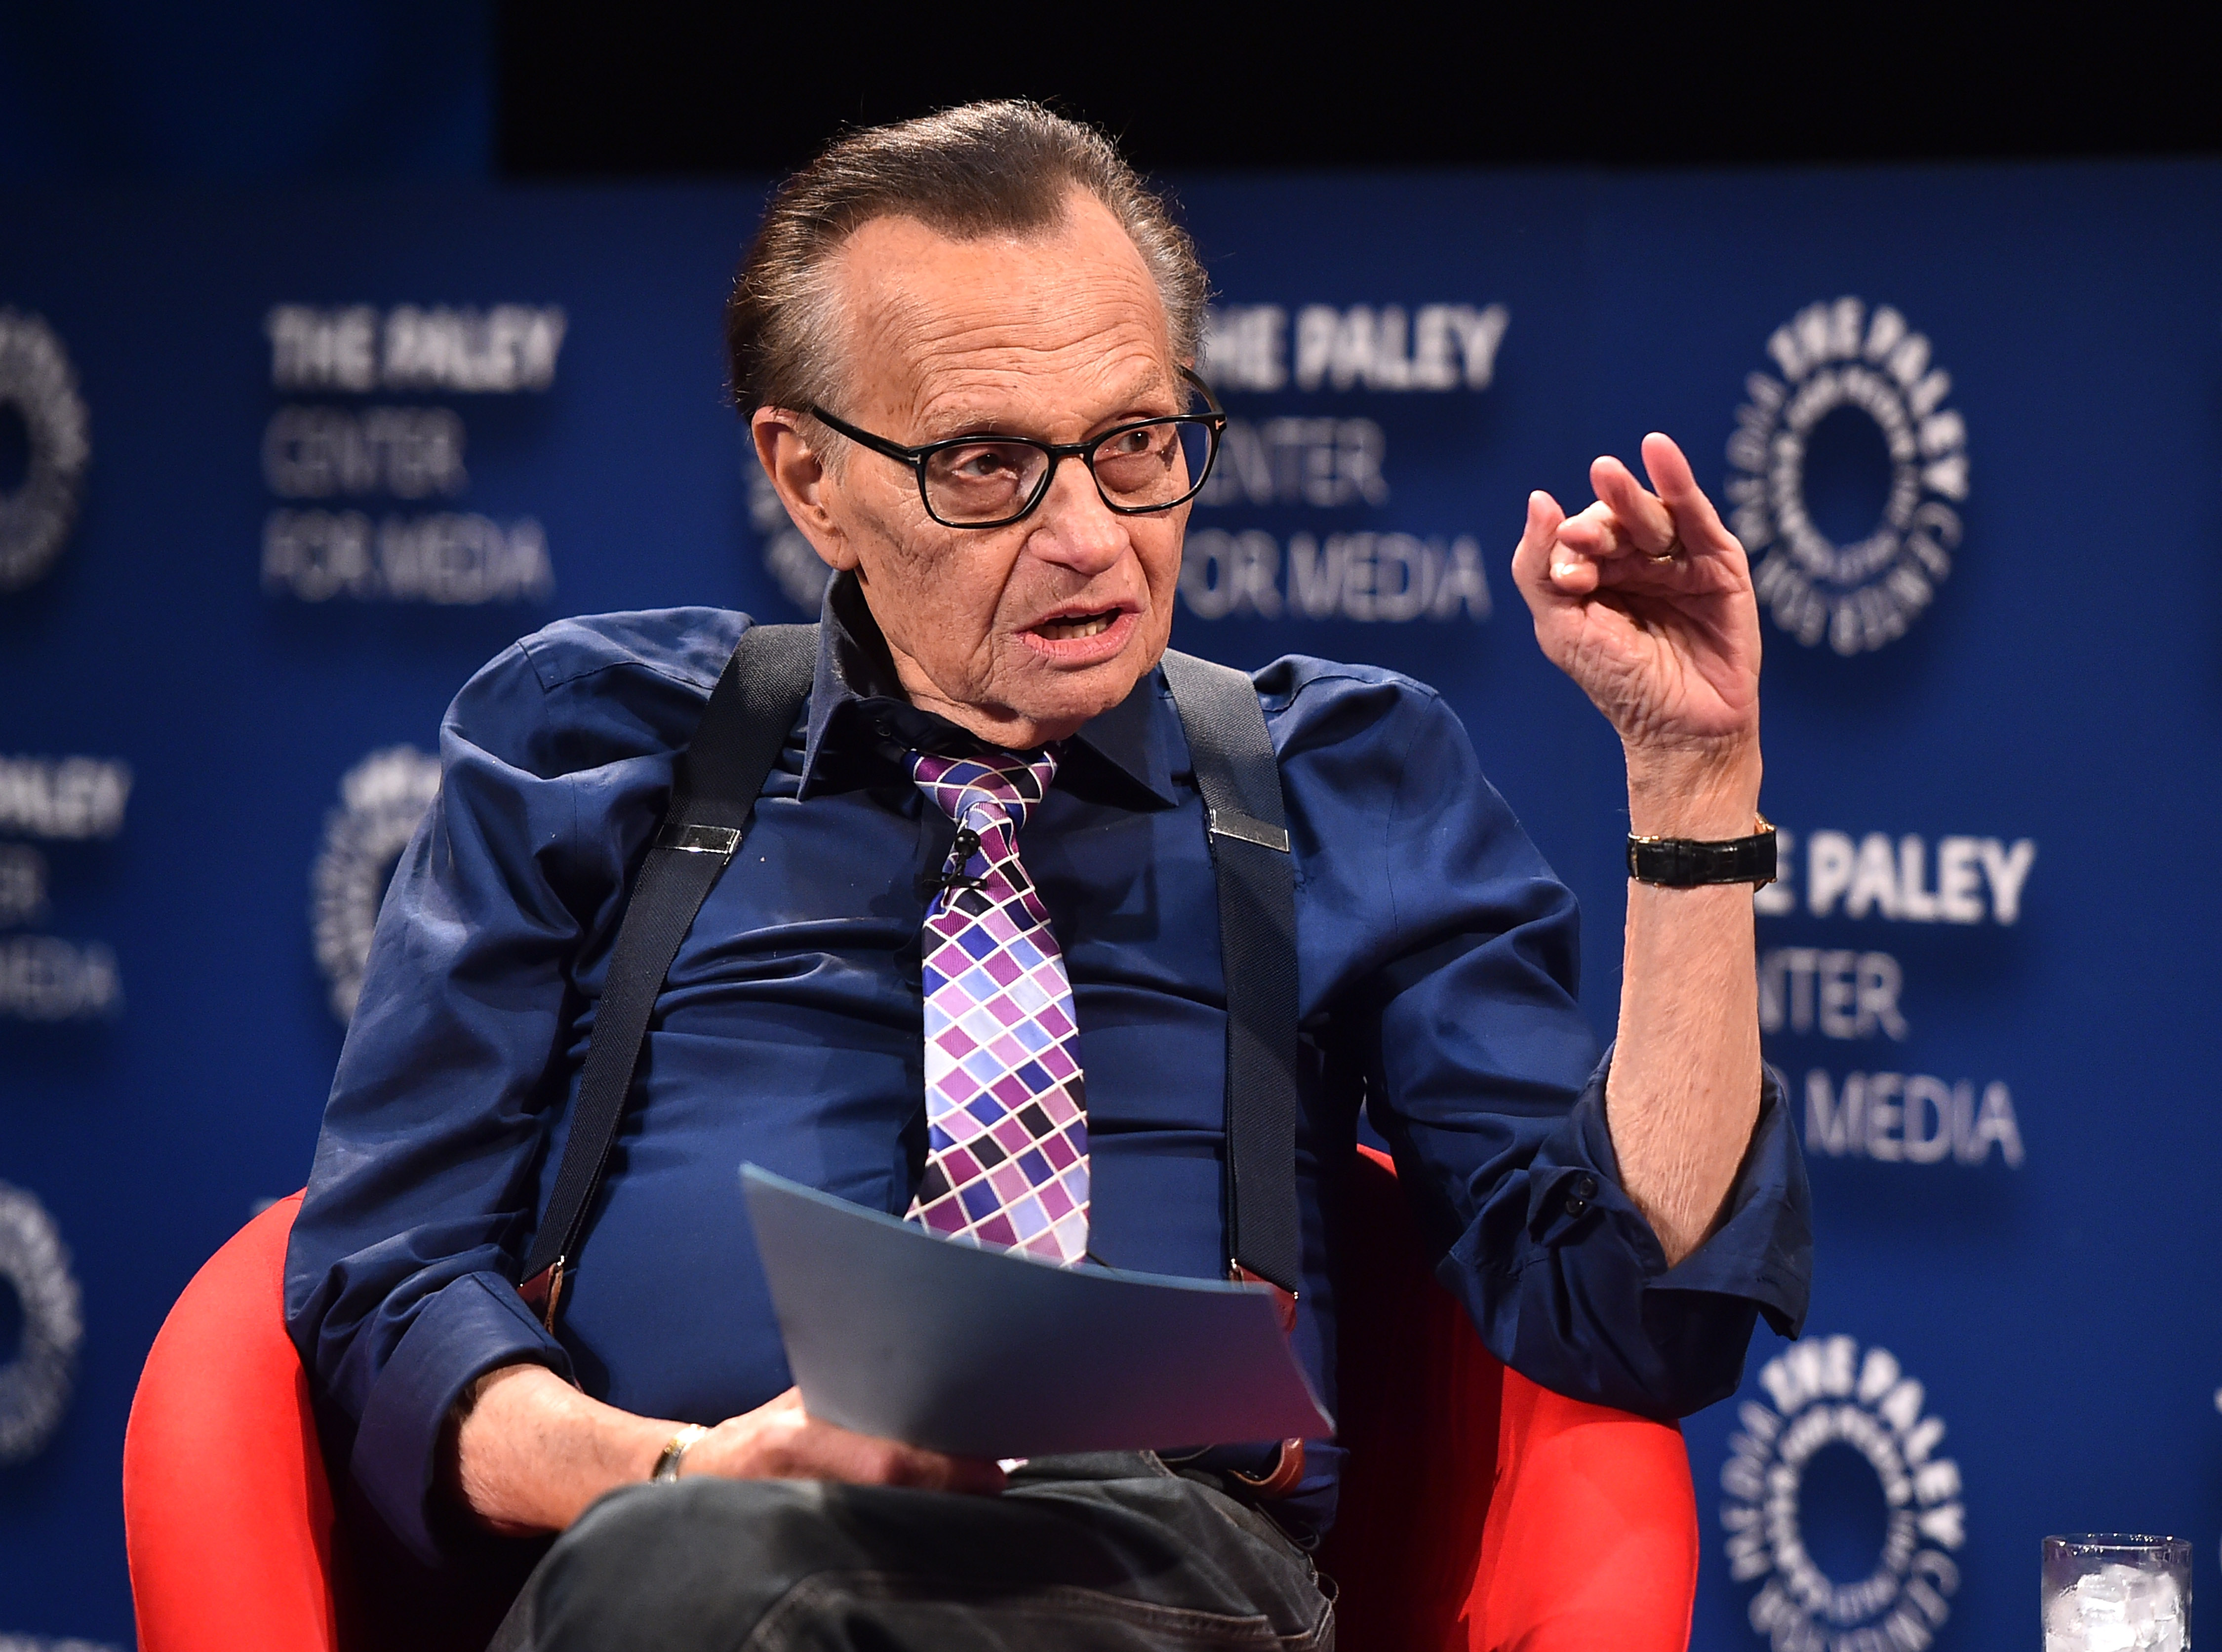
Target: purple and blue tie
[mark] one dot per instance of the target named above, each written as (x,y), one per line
(1005,1109)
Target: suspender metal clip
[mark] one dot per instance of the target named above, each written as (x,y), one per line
(1230,823)
(691,840)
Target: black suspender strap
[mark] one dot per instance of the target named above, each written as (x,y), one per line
(714,794)
(1241,780)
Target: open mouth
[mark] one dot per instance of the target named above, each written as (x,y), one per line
(1075,626)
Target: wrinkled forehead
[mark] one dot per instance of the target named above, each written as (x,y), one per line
(929,322)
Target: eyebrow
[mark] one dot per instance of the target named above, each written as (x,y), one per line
(959,425)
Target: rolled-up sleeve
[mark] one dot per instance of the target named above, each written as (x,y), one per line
(1587,1305)
(400,1277)
(1486,1082)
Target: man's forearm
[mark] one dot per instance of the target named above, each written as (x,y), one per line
(531,1452)
(1684,1090)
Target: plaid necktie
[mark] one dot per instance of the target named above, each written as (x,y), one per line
(1006,1106)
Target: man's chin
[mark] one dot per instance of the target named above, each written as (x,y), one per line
(1061,699)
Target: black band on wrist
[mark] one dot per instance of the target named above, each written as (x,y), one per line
(1688,862)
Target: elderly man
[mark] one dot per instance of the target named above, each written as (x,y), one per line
(964,344)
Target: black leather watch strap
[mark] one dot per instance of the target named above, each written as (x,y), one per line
(1688,862)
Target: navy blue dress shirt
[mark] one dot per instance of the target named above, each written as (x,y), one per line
(1437,975)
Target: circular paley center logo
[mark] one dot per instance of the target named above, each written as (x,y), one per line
(1865,591)
(38,388)
(1827,1394)
(35,1379)
(381,800)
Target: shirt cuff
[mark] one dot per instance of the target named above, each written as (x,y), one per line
(471,1326)
(1762,1249)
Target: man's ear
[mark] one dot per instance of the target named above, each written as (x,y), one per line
(803,482)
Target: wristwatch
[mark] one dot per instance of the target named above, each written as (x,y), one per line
(1686,862)
(674,1452)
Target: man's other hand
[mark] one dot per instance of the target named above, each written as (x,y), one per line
(780,1441)
(528,1453)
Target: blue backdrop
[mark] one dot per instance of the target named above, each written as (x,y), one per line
(278,471)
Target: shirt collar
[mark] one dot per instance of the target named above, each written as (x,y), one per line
(860,722)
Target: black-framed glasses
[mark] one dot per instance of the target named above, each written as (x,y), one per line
(991,481)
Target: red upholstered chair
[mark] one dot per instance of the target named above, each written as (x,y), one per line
(1478,1510)
(226,1510)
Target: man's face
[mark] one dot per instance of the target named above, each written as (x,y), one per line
(1020,633)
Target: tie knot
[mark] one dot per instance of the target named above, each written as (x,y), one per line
(1005,784)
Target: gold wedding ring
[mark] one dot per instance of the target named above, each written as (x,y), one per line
(1672,554)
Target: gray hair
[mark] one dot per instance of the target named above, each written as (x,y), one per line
(981,169)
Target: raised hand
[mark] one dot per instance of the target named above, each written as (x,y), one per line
(1645,600)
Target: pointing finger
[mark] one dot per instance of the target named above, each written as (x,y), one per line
(1646,520)
(1694,518)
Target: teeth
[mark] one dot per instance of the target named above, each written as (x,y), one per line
(1063,631)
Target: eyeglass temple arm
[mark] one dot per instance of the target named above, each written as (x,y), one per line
(864,438)
(1210,401)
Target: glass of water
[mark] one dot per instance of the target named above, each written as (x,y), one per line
(2111,1592)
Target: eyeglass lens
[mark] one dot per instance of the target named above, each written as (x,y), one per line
(1146,467)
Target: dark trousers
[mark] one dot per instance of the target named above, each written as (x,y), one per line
(1112,1552)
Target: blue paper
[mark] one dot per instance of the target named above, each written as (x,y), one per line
(893,1332)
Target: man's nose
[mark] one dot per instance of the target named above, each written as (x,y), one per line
(1073,528)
